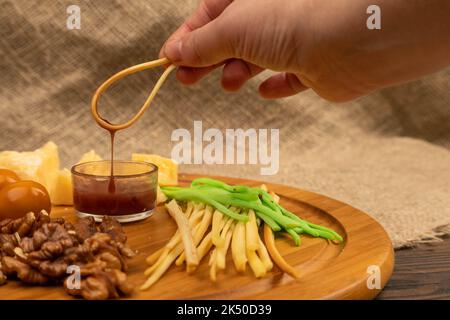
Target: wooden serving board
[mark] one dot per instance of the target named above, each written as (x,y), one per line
(328,271)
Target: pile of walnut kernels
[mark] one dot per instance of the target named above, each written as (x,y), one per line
(38,250)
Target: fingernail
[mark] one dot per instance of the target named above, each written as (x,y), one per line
(173,50)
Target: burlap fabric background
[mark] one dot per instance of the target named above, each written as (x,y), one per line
(387,154)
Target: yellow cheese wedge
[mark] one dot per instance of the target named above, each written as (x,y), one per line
(167,168)
(90,156)
(40,165)
(63,193)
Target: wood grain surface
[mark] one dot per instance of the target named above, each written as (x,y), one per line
(422,272)
(328,271)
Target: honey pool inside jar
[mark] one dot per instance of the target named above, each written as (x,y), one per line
(132,197)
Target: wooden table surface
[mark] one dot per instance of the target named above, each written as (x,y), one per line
(420,273)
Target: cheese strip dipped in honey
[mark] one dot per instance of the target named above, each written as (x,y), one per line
(275,254)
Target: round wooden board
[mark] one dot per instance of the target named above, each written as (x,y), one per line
(328,271)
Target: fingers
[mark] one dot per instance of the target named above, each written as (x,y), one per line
(189,75)
(234,75)
(236,72)
(183,29)
(281,85)
(202,47)
(207,11)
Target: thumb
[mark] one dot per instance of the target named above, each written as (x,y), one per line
(202,47)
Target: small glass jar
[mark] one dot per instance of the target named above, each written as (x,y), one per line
(127,195)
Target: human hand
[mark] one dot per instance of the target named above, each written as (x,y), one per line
(322,45)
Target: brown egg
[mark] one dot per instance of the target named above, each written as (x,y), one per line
(19,198)
(7,177)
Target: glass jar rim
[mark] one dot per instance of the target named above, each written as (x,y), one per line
(152,169)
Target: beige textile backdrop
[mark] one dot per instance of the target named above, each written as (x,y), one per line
(387,154)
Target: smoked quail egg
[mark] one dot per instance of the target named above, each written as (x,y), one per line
(19,198)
